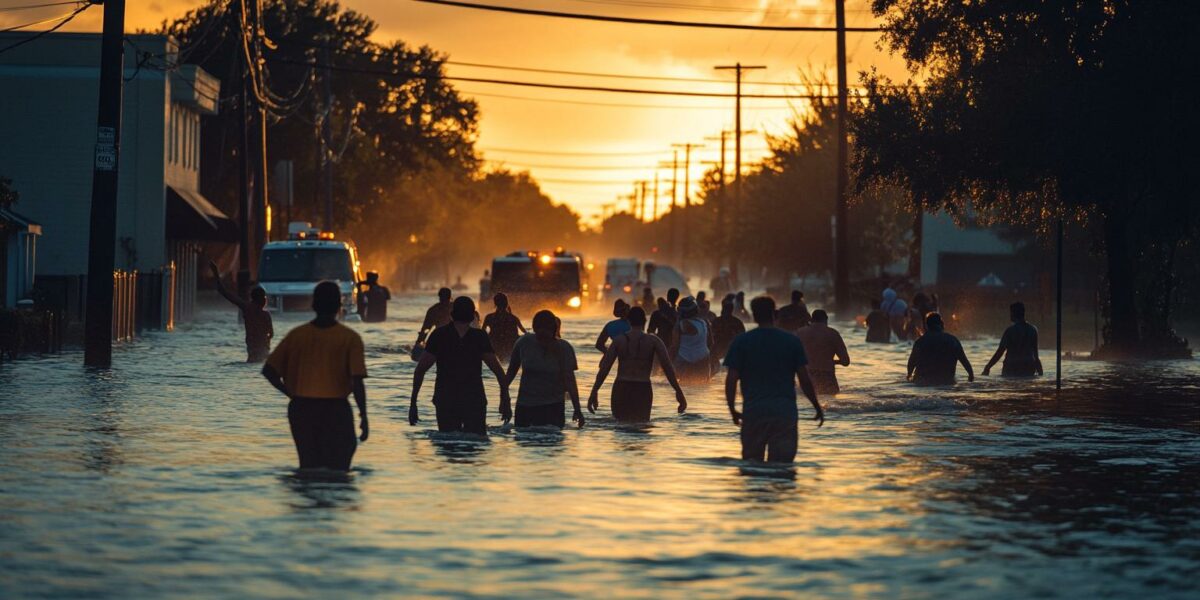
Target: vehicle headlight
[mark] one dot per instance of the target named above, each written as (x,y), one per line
(575,302)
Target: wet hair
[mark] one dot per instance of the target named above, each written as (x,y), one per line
(444,294)
(620,308)
(701,296)
(327,298)
(463,310)
(372,277)
(1017,310)
(258,296)
(545,321)
(500,300)
(797,296)
(763,309)
(820,315)
(934,322)
(688,307)
(662,303)
(637,317)
(672,296)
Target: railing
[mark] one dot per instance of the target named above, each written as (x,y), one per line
(124,321)
(157,299)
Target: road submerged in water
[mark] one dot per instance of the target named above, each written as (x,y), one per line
(172,475)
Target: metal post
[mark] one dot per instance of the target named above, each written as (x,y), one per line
(103,227)
(841,280)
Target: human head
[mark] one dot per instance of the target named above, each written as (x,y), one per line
(797,296)
(258,297)
(545,325)
(327,299)
(663,304)
(620,308)
(637,317)
(727,307)
(688,308)
(701,296)
(444,295)
(372,278)
(724,271)
(820,316)
(934,322)
(673,296)
(1017,311)
(500,300)
(463,310)
(763,309)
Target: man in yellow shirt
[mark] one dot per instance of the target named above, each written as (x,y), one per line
(317,365)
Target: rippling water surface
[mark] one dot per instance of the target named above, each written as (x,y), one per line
(172,475)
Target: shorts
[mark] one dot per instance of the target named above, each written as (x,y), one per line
(546,414)
(632,401)
(825,382)
(775,438)
(465,419)
(323,430)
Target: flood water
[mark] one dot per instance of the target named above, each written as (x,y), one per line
(172,476)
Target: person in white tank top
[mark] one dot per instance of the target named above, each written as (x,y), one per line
(692,343)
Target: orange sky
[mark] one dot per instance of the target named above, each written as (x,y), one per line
(629,134)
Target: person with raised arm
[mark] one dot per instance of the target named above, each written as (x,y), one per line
(255,318)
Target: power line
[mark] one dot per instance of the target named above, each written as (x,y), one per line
(32,6)
(41,22)
(582,154)
(698,7)
(617,104)
(608,75)
(668,23)
(557,86)
(64,21)
(504,163)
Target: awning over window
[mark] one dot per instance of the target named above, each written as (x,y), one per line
(191,216)
(19,222)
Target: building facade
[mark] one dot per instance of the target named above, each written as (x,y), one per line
(48,124)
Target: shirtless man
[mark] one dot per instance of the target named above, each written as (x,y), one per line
(437,315)
(825,348)
(634,351)
(259,327)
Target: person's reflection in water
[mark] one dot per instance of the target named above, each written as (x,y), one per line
(458,447)
(322,489)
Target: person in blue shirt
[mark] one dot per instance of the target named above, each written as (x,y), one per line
(614,327)
(767,361)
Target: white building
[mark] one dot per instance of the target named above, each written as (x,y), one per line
(970,255)
(48,127)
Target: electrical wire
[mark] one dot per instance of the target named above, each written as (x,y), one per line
(33,6)
(39,34)
(41,22)
(609,75)
(631,20)
(738,9)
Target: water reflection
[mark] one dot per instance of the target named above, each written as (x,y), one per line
(323,489)
(458,447)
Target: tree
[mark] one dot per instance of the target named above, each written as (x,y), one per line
(1038,111)
(8,196)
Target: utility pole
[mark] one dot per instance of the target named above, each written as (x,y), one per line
(654,215)
(260,160)
(841,278)
(326,136)
(103,227)
(643,216)
(674,233)
(687,202)
(244,202)
(737,144)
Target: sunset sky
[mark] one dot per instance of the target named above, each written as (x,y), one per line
(589,154)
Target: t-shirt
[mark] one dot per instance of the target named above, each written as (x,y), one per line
(616,327)
(459,365)
(543,373)
(319,362)
(662,324)
(821,344)
(377,298)
(725,329)
(1021,356)
(793,317)
(502,331)
(767,359)
(936,357)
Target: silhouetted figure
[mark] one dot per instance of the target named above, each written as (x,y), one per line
(691,345)
(721,284)
(673,300)
(767,361)
(915,325)
(503,327)
(614,327)
(647,302)
(795,315)
(547,364)
(896,310)
(257,321)
(459,351)
(662,322)
(437,315)
(1018,346)
(634,352)
(317,365)
(706,312)
(372,302)
(485,285)
(825,348)
(935,356)
(725,328)
(879,325)
(740,305)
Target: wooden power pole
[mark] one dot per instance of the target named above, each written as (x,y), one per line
(841,277)
(737,68)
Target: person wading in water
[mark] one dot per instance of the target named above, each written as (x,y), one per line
(372,302)
(317,365)
(825,348)
(1019,347)
(459,351)
(935,355)
(257,321)
(634,352)
(547,364)
(614,327)
(692,344)
(503,327)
